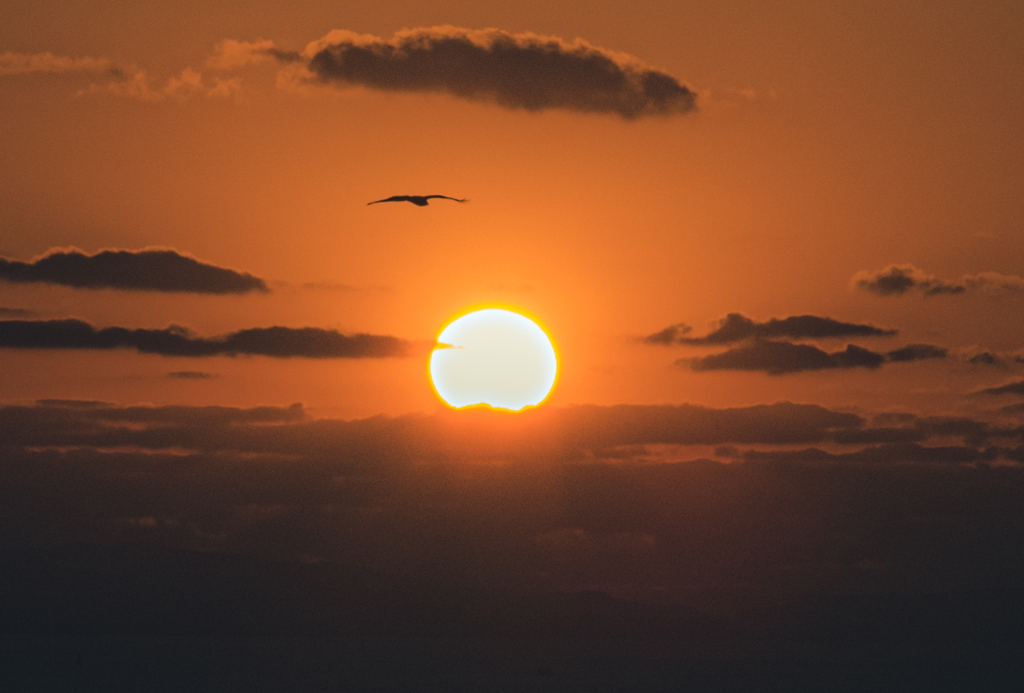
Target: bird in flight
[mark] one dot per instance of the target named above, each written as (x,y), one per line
(418,200)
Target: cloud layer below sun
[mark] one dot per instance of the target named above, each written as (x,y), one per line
(798,497)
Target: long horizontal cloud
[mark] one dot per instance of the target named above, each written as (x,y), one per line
(519,71)
(27,63)
(897,280)
(191,375)
(882,454)
(917,352)
(554,434)
(1015,388)
(149,269)
(777,358)
(476,434)
(136,83)
(309,342)
(736,327)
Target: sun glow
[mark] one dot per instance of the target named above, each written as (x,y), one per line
(495,357)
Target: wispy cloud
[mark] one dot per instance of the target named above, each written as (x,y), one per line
(191,375)
(518,71)
(28,63)
(231,54)
(897,280)
(134,82)
(985,358)
(148,269)
(673,334)
(137,83)
(282,342)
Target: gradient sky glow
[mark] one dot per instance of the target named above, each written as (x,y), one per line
(779,247)
(825,142)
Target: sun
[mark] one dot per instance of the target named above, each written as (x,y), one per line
(496,357)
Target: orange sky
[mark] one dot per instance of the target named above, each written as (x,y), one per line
(825,142)
(779,248)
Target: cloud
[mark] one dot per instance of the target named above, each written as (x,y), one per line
(780,357)
(75,403)
(231,54)
(736,327)
(897,280)
(16,312)
(777,358)
(27,63)
(136,83)
(673,334)
(550,433)
(893,453)
(149,269)
(1015,388)
(529,503)
(281,342)
(917,352)
(328,286)
(779,423)
(191,375)
(517,71)
(189,83)
(920,429)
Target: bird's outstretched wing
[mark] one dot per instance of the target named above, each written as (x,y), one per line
(443,197)
(418,200)
(393,198)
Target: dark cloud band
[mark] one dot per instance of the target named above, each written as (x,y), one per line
(777,358)
(172,489)
(736,327)
(138,270)
(897,280)
(191,375)
(917,352)
(520,71)
(308,342)
(1015,388)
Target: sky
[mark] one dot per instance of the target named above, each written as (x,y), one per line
(777,246)
(822,143)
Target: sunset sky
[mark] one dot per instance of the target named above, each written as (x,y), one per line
(760,235)
(825,142)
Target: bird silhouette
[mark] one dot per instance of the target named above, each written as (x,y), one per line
(418,200)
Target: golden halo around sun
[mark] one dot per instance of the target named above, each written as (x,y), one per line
(495,357)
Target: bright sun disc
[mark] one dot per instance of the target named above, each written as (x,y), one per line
(494,357)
